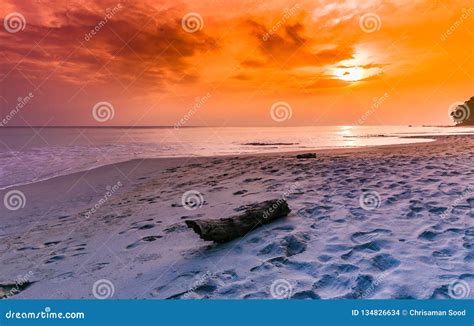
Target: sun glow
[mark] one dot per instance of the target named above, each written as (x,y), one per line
(350,74)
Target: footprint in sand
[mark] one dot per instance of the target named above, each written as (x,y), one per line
(385,262)
(364,237)
(444,260)
(451,188)
(146,227)
(295,244)
(372,246)
(51,243)
(63,277)
(428,235)
(305,295)
(332,284)
(27,248)
(289,246)
(470,201)
(175,228)
(362,287)
(314,211)
(54,259)
(149,238)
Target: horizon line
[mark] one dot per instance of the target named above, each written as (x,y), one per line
(215,126)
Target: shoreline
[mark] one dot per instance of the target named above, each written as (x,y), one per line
(321,150)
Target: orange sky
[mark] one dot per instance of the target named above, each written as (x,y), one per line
(323,58)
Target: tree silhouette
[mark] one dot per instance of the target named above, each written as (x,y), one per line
(463,114)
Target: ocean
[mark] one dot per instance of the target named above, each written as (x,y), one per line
(32,154)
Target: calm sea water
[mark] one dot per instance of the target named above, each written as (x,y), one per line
(32,154)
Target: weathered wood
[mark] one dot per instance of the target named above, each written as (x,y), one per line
(10,289)
(226,229)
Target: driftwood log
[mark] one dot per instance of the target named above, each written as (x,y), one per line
(226,229)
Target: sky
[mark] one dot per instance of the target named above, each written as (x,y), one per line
(234,63)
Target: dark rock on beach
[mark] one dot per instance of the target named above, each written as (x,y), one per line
(306,155)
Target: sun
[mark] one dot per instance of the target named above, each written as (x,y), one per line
(349,74)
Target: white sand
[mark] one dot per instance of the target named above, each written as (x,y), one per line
(414,245)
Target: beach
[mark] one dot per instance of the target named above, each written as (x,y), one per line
(382,222)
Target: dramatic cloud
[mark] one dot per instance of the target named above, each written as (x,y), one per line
(145,59)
